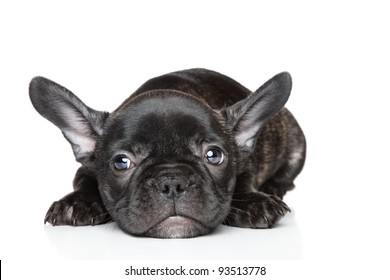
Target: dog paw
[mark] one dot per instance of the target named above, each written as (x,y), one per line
(76,209)
(256,210)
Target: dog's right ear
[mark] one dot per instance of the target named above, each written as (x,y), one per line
(80,124)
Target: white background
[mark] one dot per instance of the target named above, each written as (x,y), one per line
(338,55)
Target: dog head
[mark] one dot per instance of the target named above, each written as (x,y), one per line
(165,161)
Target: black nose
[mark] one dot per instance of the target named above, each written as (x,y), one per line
(173,187)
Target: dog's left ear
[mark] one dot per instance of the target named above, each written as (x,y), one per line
(80,124)
(247,117)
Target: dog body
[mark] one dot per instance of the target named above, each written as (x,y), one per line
(186,152)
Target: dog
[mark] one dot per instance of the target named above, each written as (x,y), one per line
(184,153)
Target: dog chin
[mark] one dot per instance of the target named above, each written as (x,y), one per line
(177,227)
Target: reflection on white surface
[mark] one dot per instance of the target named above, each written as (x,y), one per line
(109,242)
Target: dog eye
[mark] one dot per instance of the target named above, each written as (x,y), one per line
(214,156)
(122,162)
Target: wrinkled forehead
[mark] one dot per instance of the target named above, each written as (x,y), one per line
(165,118)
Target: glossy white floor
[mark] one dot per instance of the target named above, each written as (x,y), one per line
(109,242)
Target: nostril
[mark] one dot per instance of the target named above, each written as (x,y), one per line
(180,188)
(165,188)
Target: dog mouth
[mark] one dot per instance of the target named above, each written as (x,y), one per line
(177,227)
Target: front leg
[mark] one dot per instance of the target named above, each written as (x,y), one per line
(255,210)
(82,207)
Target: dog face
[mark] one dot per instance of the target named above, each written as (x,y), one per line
(165,161)
(169,171)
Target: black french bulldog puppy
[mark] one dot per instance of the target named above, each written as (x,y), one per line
(186,152)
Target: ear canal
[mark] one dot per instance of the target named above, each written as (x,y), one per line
(247,117)
(80,124)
